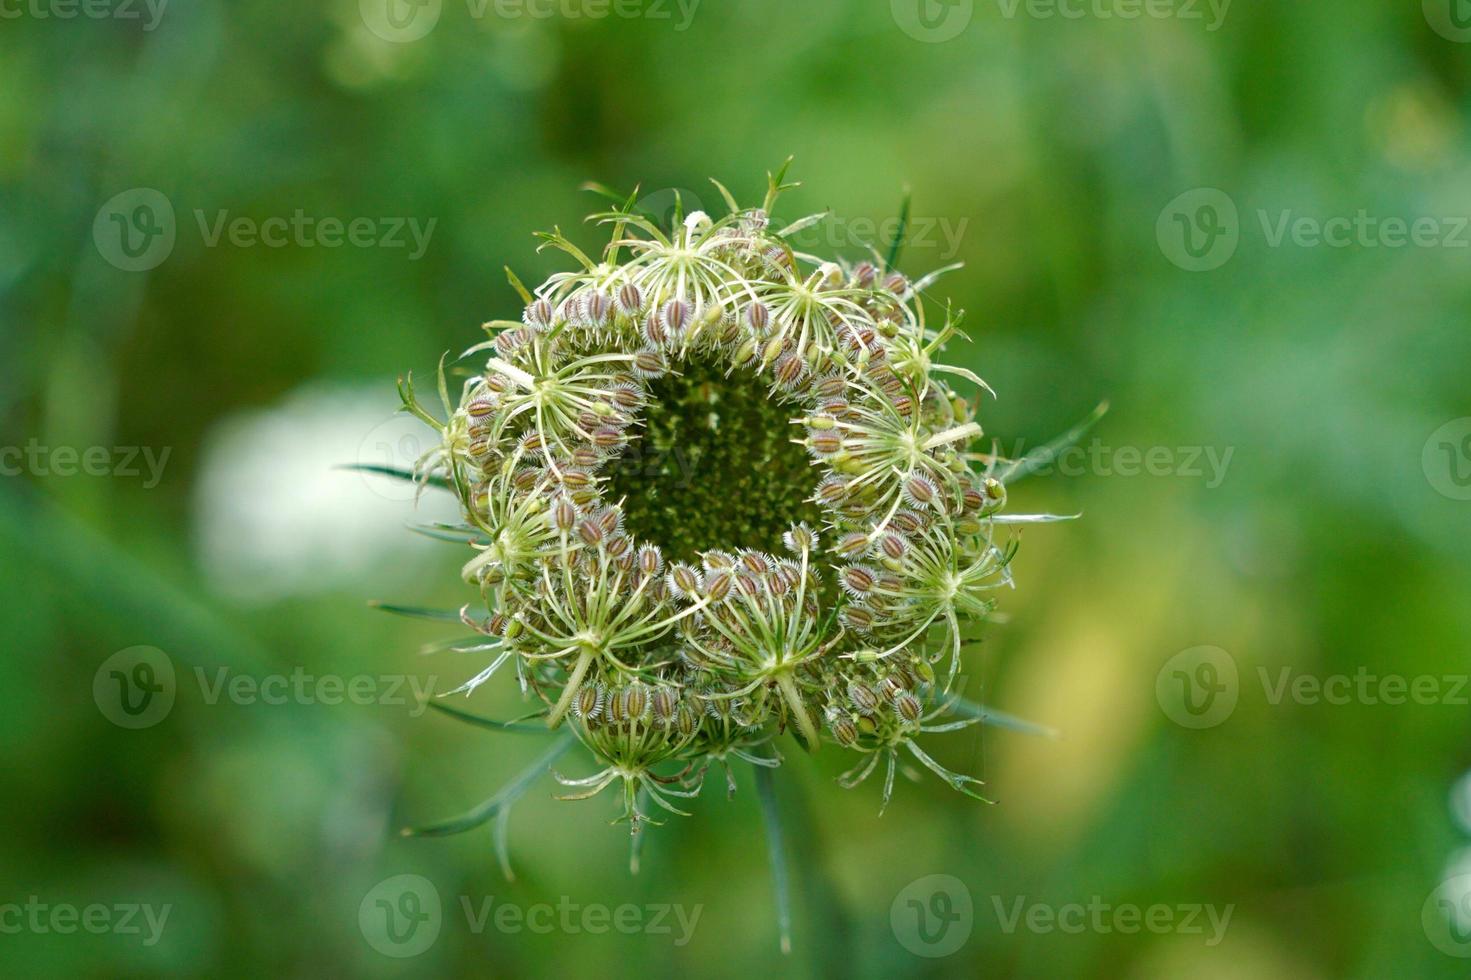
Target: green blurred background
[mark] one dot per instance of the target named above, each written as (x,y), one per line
(1049,153)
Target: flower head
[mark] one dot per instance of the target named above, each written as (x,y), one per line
(720,491)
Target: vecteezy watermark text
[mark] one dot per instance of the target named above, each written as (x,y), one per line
(681,12)
(301,687)
(941,236)
(640,462)
(1200,230)
(302,230)
(403,21)
(1363,686)
(1212,12)
(1200,687)
(570,918)
(1100,459)
(937,21)
(68,461)
(136,230)
(402,916)
(136,688)
(148,11)
(97,918)
(1099,916)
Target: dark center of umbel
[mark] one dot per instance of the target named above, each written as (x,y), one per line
(715,466)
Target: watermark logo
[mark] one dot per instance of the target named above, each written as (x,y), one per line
(663,205)
(933,916)
(135,230)
(1446,916)
(1199,230)
(1451,19)
(401,916)
(1446,459)
(933,21)
(400,21)
(1198,687)
(134,688)
(395,444)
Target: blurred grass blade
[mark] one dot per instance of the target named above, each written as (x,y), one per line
(725,193)
(1000,719)
(602,190)
(112,587)
(418,612)
(896,244)
(398,474)
(518,286)
(1046,455)
(780,879)
(477,643)
(503,800)
(451,534)
(514,725)
(501,835)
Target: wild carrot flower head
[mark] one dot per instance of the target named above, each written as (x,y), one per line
(719,491)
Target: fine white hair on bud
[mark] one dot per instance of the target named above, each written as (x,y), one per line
(664,703)
(596,309)
(564,514)
(674,318)
(650,560)
(717,492)
(716,560)
(858,580)
(588,703)
(649,364)
(630,300)
(920,491)
(799,538)
(683,580)
(538,315)
(654,333)
(758,317)
(862,698)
